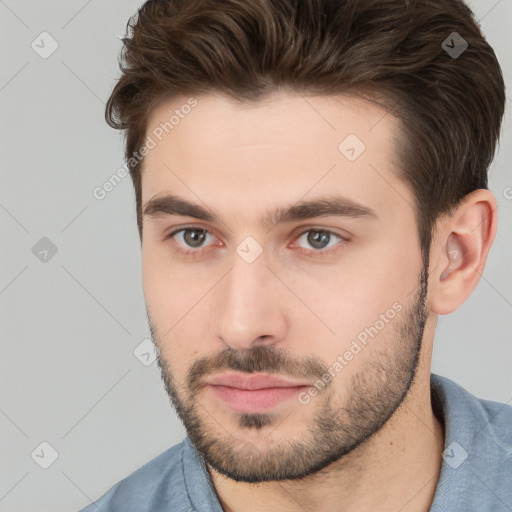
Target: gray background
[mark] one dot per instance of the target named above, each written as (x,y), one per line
(69,325)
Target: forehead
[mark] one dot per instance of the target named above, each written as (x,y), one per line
(284,147)
(281,117)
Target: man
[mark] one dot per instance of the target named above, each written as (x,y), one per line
(311,191)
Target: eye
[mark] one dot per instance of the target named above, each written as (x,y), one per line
(191,238)
(193,241)
(321,240)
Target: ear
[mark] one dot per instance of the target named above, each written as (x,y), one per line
(459,251)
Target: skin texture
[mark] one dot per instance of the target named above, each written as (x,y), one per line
(369,440)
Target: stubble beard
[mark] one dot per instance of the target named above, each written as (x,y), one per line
(373,395)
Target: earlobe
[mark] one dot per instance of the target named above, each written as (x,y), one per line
(462,244)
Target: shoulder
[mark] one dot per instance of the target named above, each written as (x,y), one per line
(499,414)
(497,428)
(462,408)
(140,490)
(476,472)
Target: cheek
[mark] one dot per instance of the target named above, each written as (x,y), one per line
(157,288)
(345,302)
(173,301)
(365,299)
(168,290)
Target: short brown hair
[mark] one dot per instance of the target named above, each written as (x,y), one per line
(389,51)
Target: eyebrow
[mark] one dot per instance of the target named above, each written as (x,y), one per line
(319,207)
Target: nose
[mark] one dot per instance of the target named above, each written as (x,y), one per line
(251,306)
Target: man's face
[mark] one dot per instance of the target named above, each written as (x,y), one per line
(285,341)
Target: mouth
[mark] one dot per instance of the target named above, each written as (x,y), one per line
(255,393)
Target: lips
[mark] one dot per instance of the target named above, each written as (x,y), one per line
(255,393)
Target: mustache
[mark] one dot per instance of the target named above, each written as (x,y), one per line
(258,359)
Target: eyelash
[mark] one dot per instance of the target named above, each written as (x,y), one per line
(196,253)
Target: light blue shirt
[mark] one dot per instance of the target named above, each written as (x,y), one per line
(476,473)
